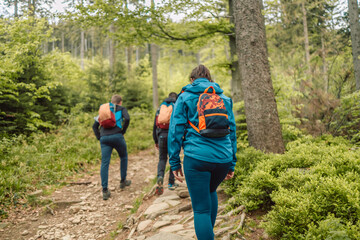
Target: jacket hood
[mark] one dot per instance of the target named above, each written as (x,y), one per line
(169,100)
(199,86)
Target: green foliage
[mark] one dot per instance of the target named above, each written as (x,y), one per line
(45,159)
(139,134)
(315,179)
(32,97)
(346,120)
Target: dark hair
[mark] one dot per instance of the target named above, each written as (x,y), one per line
(116,99)
(173,95)
(200,72)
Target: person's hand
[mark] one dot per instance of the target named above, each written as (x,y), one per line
(229,175)
(157,146)
(178,173)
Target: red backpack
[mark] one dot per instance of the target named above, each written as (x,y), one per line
(107,115)
(212,115)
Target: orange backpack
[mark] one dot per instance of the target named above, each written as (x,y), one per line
(212,114)
(163,119)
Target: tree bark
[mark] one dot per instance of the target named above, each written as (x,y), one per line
(306,39)
(82,45)
(355,38)
(263,125)
(129,59)
(16,8)
(154,56)
(62,42)
(235,84)
(325,67)
(111,52)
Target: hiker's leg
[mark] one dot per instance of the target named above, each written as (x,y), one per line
(121,148)
(198,175)
(162,155)
(106,151)
(217,176)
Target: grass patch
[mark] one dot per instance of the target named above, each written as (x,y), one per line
(44,160)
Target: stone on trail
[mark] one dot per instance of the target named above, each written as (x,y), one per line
(24,233)
(168,236)
(156,208)
(160,224)
(171,217)
(166,198)
(143,225)
(183,193)
(172,228)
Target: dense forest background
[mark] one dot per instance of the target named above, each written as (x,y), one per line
(56,70)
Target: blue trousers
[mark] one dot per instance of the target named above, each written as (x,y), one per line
(108,143)
(202,179)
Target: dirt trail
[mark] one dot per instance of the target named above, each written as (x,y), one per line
(78,211)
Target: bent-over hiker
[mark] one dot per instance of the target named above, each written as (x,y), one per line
(109,127)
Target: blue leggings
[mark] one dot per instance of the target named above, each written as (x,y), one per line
(202,179)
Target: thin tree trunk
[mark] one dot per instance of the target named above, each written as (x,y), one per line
(235,84)
(62,42)
(325,67)
(198,58)
(82,45)
(16,8)
(306,39)
(355,38)
(154,54)
(137,56)
(263,125)
(129,60)
(112,51)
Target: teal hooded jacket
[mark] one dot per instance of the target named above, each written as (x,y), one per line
(181,134)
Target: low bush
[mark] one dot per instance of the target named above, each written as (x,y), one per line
(316,182)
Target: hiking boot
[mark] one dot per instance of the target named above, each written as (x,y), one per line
(172,186)
(125,183)
(159,190)
(106,194)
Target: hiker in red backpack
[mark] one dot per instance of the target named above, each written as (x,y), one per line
(109,127)
(160,136)
(203,124)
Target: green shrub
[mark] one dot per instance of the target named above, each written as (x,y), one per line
(316,178)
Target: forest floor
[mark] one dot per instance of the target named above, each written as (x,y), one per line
(77,211)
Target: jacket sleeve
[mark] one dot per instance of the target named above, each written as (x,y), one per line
(232,134)
(126,122)
(95,128)
(178,122)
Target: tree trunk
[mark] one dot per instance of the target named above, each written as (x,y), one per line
(112,52)
(355,38)
(82,45)
(153,55)
(306,40)
(325,67)
(62,42)
(16,8)
(263,125)
(235,84)
(129,59)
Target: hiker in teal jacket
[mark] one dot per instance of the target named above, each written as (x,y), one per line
(207,161)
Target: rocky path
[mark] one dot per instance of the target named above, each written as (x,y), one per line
(77,210)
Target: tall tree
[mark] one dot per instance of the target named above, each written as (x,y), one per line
(264,129)
(355,38)
(235,70)
(306,38)
(154,59)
